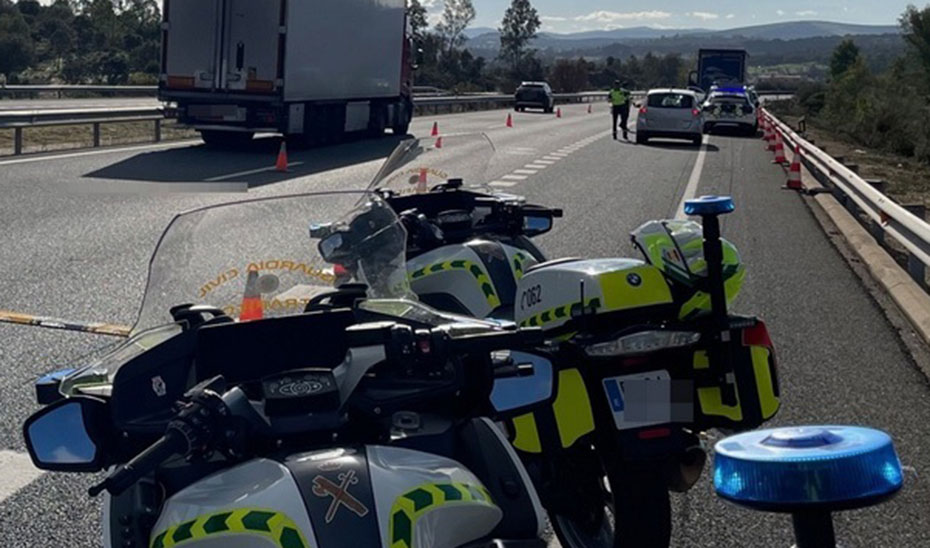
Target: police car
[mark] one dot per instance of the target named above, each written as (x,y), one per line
(731,107)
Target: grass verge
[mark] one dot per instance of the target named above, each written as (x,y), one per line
(78,136)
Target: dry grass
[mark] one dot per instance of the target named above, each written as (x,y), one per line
(908,179)
(43,139)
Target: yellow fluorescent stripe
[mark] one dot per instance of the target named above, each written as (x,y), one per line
(768,401)
(526,436)
(572,408)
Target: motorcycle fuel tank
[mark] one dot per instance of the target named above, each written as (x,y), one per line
(477,278)
(331,498)
(550,294)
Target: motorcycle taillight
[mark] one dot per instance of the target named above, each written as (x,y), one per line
(757,335)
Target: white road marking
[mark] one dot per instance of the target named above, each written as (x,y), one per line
(535,166)
(552,158)
(545,162)
(696,171)
(514,177)
(525,171)
(43,158)
(247,173)
(17,472)
(559,155)
(503,183)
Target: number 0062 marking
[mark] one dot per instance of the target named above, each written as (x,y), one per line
(531,297)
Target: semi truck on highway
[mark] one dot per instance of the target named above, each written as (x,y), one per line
(309,68)
(719,67)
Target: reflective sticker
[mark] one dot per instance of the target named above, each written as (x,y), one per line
(479,274)
(272,525)
(526,435)
(413,504)
(572,408)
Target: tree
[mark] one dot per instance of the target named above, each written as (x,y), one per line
(16,45)
(844,56)
(915,25)
(416,14)
(455,19)
(521,21)
(569,76)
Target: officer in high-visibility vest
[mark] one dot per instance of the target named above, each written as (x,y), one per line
(620,99)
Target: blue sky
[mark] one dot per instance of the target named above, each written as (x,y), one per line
(579,15)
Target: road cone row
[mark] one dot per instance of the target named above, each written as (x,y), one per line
(794,172)
(435,132)
(769,136)
(780,158)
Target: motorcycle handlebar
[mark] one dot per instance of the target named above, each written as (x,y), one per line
(172,443)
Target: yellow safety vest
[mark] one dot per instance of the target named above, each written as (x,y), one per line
(619,97)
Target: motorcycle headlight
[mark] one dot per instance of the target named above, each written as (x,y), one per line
(643,342)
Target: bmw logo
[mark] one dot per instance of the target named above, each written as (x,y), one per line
(634,279)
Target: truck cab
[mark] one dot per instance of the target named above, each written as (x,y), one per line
(719,67)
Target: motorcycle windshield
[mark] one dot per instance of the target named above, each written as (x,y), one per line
(256,258)
(418,165)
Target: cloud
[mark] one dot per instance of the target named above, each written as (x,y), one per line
(806,13)
(731,15)
(552,18)
(780,12)
(606,17)
(703,15)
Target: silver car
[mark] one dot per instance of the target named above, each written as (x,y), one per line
(670,113)
(730,109)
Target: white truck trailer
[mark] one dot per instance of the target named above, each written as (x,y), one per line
(310,68)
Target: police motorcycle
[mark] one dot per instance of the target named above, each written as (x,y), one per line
(645,364)
(283,411)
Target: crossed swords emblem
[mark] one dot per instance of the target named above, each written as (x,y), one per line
(324,487)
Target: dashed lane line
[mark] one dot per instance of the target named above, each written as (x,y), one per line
(524,173)
(693,181)
(16,472)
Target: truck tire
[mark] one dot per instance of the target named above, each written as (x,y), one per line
(225,139)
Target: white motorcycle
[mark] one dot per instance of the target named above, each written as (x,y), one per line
(281,411)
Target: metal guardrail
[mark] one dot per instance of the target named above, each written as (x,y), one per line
(19,120)
(905,224)
(15,89)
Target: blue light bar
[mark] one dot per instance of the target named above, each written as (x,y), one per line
(709,205)
(792,469)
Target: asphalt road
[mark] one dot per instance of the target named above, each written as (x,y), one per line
(79,229)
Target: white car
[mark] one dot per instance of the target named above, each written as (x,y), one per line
(732,109)
(670,113)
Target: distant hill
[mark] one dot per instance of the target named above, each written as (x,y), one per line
(485,39)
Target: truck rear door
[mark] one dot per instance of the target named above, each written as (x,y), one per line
(253,45)
(190,39)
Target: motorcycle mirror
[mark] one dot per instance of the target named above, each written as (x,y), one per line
(68,435)
(532,385)
(534,225)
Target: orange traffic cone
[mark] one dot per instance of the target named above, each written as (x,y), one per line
(438,143)
(558,113)
(589,108)
(769,136)
(509,120)
(794,172)
(281,163)
(252,299)
(435,132)
(421,181)
(779,150)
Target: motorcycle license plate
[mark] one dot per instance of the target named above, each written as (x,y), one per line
(640,400)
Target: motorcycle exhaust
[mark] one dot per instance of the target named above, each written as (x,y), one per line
(686,469)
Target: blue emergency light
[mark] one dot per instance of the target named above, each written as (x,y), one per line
(709,205)
(808,471)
